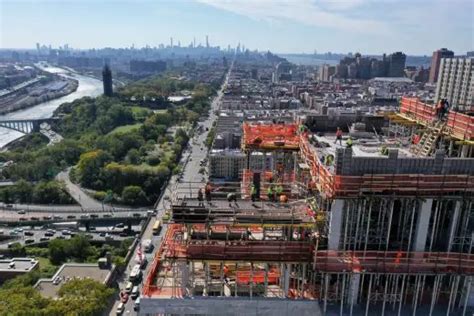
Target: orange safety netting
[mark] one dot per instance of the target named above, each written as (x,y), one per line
(394,262)
(270,136)
(459,125)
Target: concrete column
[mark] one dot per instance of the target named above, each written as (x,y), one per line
(422,224)
(287,278)
(335,224)
(451,147)
(354,288)
(206,279)
(265,282)
(465,151)
(236,268)
(454,224)
(185,277)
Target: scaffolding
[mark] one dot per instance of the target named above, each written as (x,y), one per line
(368,243)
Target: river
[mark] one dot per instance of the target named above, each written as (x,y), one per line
(87,87)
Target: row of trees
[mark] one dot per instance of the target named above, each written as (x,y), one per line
(132,163)
(75,297)
(43,192)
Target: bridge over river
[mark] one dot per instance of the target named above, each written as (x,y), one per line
(26,126)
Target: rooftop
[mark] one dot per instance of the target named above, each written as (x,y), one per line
(18,265)
(69,271)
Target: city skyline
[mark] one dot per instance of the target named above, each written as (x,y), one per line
(280,26)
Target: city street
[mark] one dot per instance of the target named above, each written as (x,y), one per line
(190,162)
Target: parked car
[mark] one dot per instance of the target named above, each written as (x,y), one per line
(29,241)
(44,238)
(28,233)
(71,217)
(21,212)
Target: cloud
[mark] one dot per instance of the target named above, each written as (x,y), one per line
(325,13)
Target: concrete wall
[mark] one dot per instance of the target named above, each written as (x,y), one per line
(329,123)
(229,306)
(346,164)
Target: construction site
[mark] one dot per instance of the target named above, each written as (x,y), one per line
(365,221)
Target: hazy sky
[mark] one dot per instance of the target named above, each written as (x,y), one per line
(368,26)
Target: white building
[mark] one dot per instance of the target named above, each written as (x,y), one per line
(229,163)
(456,82)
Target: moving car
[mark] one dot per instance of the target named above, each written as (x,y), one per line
(120,309)
(135,292)
(136,306)
(129,287)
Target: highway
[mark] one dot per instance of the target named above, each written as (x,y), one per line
(11,215)
(190,161)
(17,235)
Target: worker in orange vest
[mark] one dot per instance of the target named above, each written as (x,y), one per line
(439,109)
(338,136)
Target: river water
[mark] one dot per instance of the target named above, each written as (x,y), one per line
(87,87)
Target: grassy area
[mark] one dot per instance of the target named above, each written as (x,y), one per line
(160,111)
(125,128)
(46,268)
(140,113)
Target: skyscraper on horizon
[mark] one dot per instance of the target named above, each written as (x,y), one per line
(107,80)
(396,64)
(435,62)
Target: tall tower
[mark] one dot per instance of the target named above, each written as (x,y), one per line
(107,79)
(207,41)
(435,62)
(171,42)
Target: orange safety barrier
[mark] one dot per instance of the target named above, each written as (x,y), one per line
(418,110)
(394,262)
(257,277)
(270,136)
(458,125)
(320,174)
(249,250)
(403,184)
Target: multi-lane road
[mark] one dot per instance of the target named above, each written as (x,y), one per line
(195,152)
(26,236)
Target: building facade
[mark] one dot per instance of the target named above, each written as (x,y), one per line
(107,79)
(455,82)
(435,62)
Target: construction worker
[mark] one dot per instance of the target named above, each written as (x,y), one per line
(445,108)
(253,193)
(338,136)
(329,160)
(279,190)
(207,192)
(349,142)
(270,193)
(439,109)
(231,197)
(201,197)
(283,198)
(415,139)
